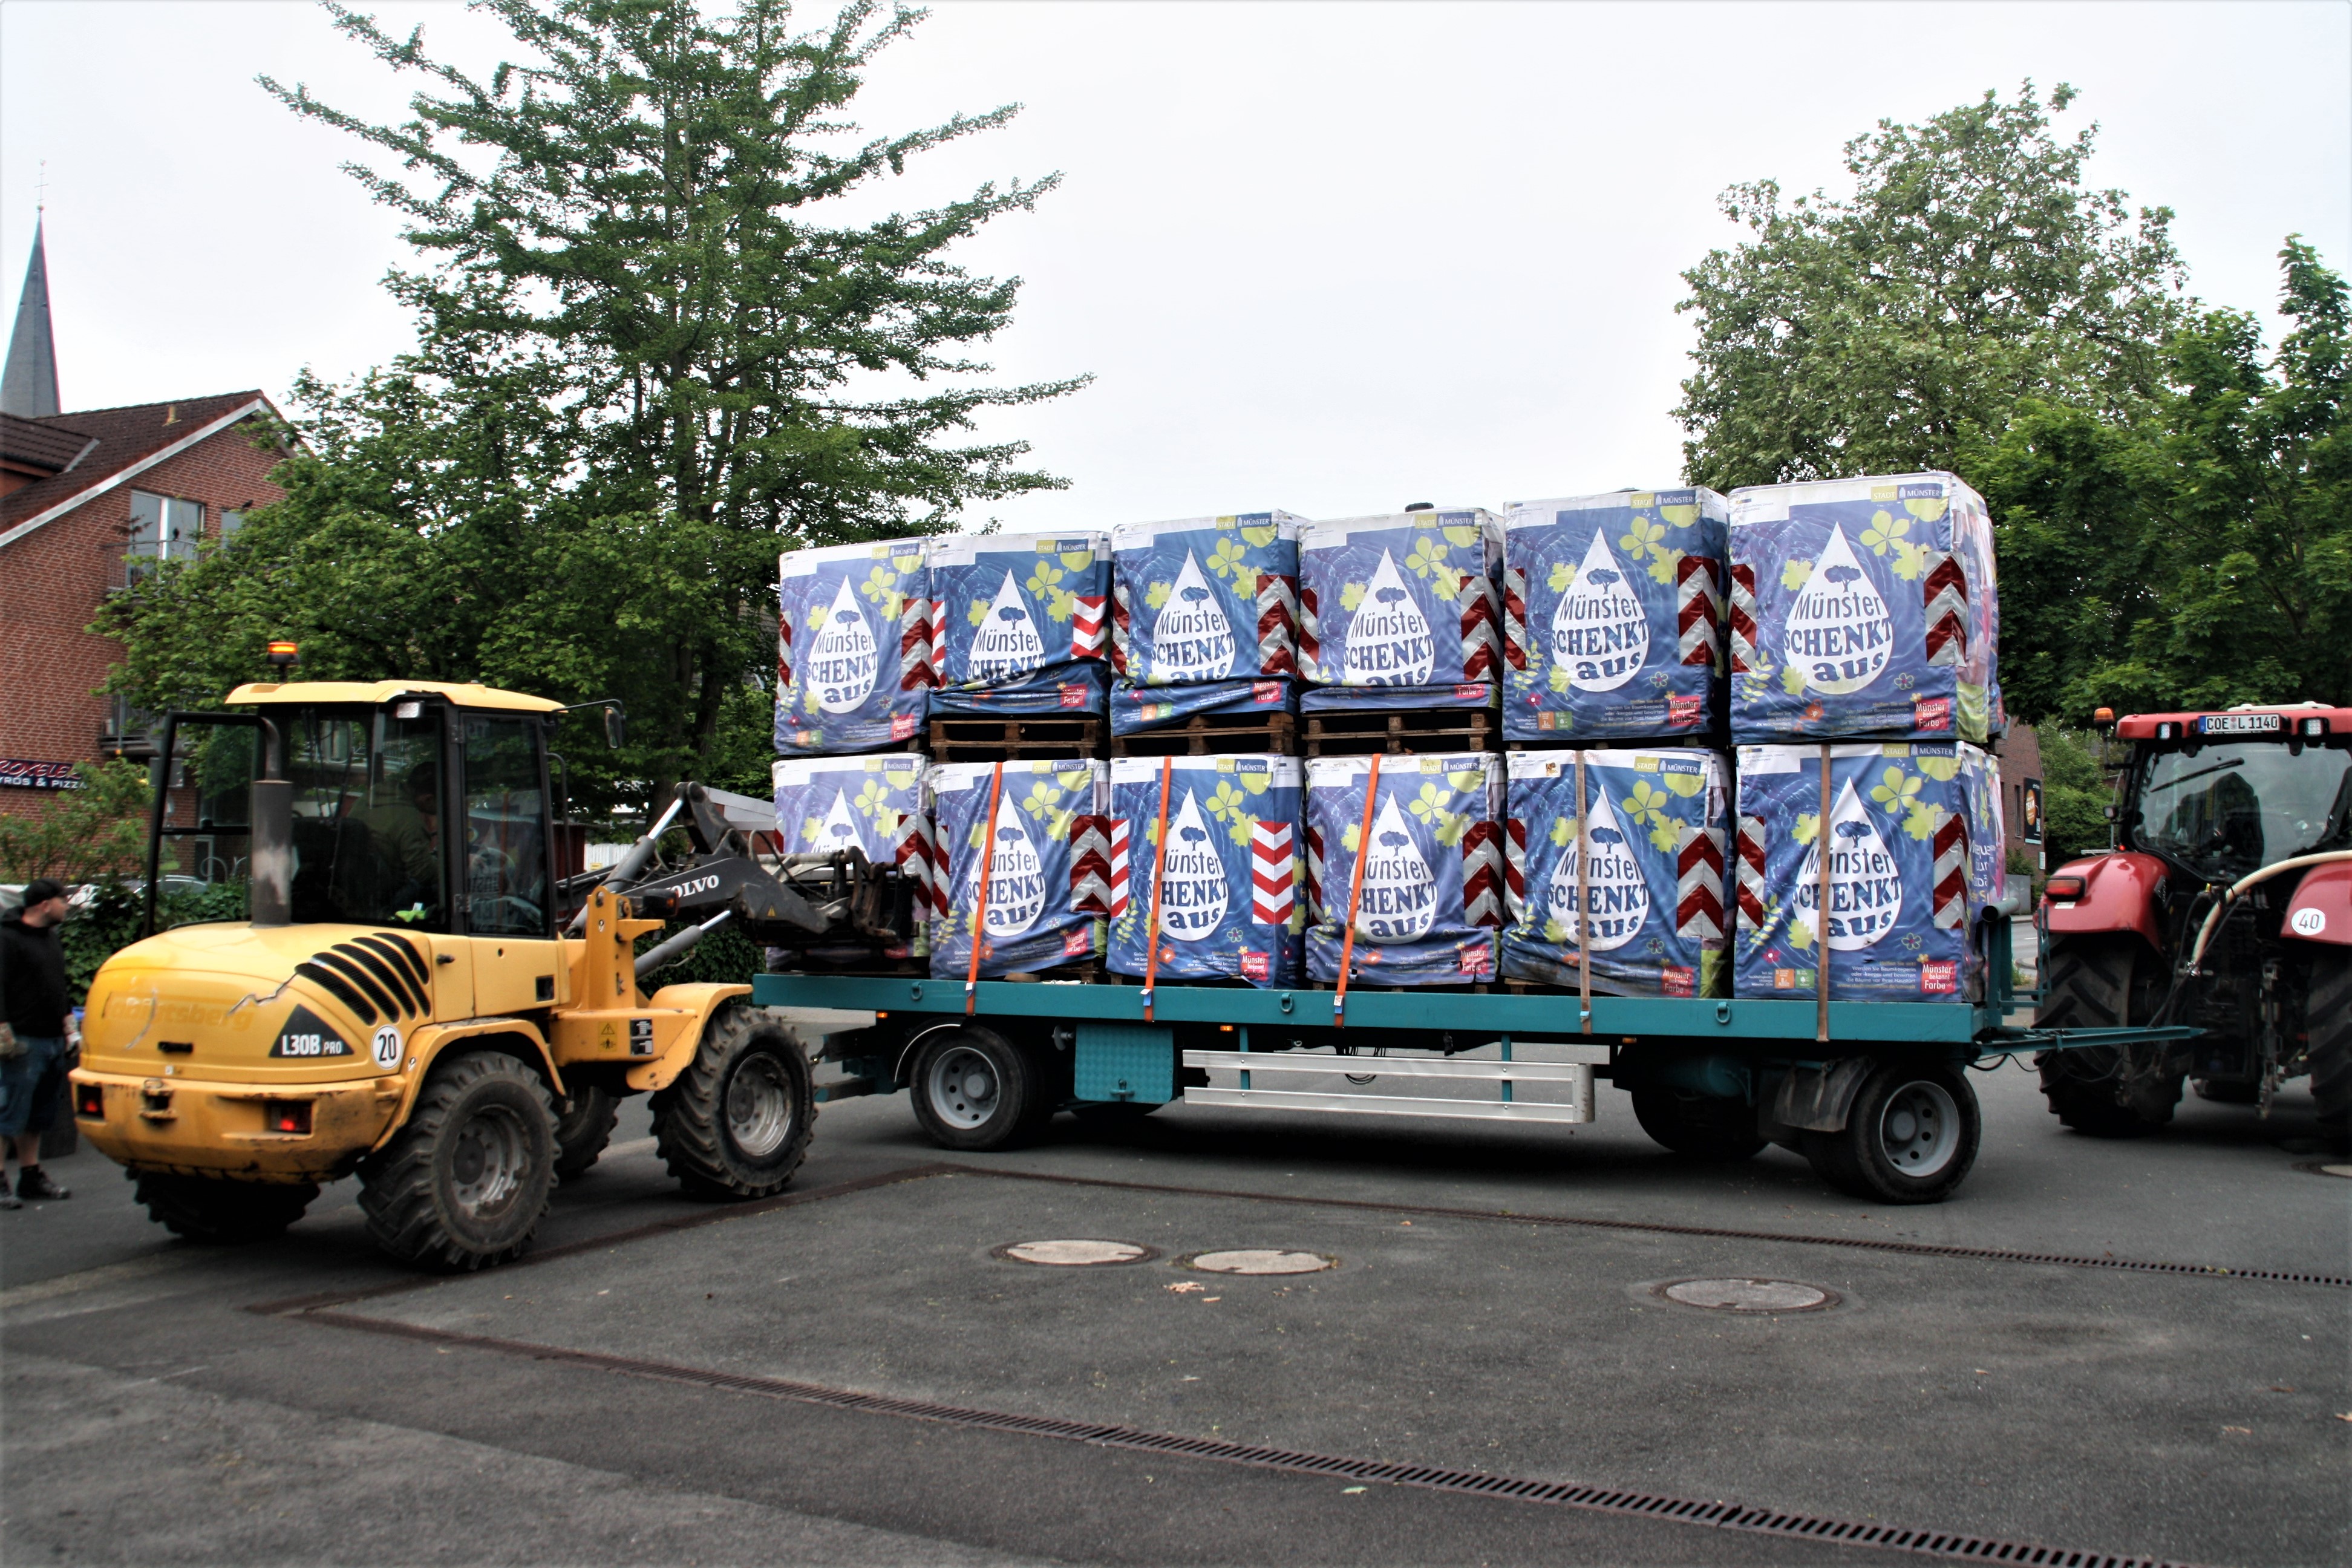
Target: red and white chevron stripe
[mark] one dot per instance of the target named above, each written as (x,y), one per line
(1116,905)
(1310,635)
(1482,642)
(918,857)
(1277,624)
(1273,874)
(1952,873)
(916,670)
(1698,616)
(1515,617)
(1090,865)
(1118,628)
(1484,885)
(1699,883)
(1743,618)
(938,614)
(1515,867)
(1944,590)
(1314,874)
(1088,627)
(1751,873)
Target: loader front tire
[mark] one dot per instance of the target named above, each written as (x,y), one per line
(582,1131)
(467,1181)
(221,1213)
(736,1123)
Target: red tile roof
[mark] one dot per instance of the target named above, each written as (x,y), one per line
(125,437)
(43,443)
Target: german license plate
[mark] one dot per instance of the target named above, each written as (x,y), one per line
(2239,724)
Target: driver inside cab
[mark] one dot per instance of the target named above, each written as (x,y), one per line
(407,834)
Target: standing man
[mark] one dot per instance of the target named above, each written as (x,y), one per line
(36,1002)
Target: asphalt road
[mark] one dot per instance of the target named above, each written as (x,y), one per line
(673,1382)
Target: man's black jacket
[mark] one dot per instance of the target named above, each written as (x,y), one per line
(33,978)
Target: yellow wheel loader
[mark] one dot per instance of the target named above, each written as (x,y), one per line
(415,998)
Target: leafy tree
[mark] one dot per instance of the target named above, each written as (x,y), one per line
(1897,328)
(2074,796)
(84,834)
(654,348)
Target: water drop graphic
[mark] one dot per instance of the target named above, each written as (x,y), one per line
(1600,633)
(1839,632)
(1191,640)
(1865,881)
(1016,877)
(839,829)
(1387,640)
(1621,895)
(1006,643)
(1400,897)
(845,658)
(1193,884)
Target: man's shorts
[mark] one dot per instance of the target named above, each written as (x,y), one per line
(29,1082)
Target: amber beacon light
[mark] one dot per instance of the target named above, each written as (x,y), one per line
(282,654)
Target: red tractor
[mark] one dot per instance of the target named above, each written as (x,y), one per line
(2225,907)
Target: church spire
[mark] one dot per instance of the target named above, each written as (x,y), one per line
(29,386)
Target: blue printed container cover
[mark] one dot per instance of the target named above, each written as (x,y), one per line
(1907,886)
(1023,623)
(1205,616)
(1863,607)
(1612,617)
(1653,841)
(1228,890)
(853,647)
(872,803)
(1432,894)
(1045,878)
(1401,612)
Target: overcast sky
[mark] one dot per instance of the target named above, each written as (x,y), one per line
(1329,257)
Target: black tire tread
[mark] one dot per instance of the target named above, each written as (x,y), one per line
(219,1211)
(2096,982)
(2327,1013)
(688,1114)
(396,1184)
(1024,1080)
(582,1132)
(1714,1131)
(1843,1161)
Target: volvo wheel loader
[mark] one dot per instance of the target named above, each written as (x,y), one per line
(415,999)
(2225,907)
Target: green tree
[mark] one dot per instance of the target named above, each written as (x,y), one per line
(2074,796)
(84,834)
(655,347)
(1897,328)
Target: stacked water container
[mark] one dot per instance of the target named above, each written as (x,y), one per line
(1864,637)
(1613,644)
(1398,613)
(1204,619)
(1021,625)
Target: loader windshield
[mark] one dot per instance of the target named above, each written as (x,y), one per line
(368,844)
(2224,808)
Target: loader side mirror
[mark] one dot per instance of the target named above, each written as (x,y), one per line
(616,727)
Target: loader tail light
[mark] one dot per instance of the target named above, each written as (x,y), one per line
(2065,888)
(286,1115)
(90,1099)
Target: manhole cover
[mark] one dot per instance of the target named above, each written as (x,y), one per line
(1075,1254)
(1260,1260)
(1749,1295)
(2318,1169)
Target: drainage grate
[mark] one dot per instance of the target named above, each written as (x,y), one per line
(1742,1517)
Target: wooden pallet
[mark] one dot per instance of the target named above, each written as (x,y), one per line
(1023,738)
(1090,973)
(1410,733)
(1215,735)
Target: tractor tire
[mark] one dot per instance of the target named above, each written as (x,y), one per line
(2102,981)
(1698,1127)
(220,1213)
(736,1123)
(1910,1137)
(467,1181)
(2327,1013)
(582,1131)
(973,1089)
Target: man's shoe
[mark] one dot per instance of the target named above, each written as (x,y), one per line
(32,1182)
(8,1200)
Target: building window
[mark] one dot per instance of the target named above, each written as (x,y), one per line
(163,528)
(230,522)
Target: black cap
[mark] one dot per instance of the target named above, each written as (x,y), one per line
(41,889)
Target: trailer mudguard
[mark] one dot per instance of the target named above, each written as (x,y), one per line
(2321,910)
(2118,894)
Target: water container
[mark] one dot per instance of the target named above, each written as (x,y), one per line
(1228,891)
(1045,884)
(853,647)
(1656,840)
(1863,607)
(1612,618)
(1432,894)
(1203,619)
(872,803)
(1023,623)
(1400,612)
(1906,888)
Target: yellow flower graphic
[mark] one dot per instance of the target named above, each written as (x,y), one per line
(1664,561)
(1428,560)
(1226,562)
(1793,574)
(1895,790)
(1562,574)
(881,587)
(1884,529)
(1350,596)
(1640,538)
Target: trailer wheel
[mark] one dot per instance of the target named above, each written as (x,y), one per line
(207,1209)
(582,1132)
(2102,981)
(467,1181)
(1910,1137)
(974,1089)
(2327,1013)
(1698,1126)
(735,1122)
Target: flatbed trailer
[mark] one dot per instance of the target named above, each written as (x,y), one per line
(1875,1094)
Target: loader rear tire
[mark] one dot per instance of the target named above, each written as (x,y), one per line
(1698,1127)
(467,1181)
(582,1132)
(736,1123)
(2102,982)
(2327,1013)
(220,1213)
